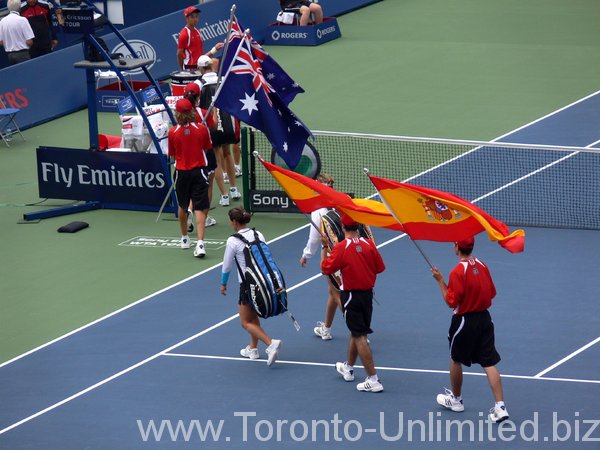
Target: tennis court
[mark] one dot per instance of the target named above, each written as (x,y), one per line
(171,360)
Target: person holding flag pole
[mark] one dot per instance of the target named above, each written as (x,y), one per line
(470,289)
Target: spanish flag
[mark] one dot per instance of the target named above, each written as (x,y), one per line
(310,195)
(427,214)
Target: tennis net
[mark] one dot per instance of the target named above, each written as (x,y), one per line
(520,184)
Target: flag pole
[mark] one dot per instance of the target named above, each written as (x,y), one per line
(330,244)
(229,24)
(366,172)
(220,86)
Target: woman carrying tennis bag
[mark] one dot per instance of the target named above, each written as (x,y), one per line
(256,285)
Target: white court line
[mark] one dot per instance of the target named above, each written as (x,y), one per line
(383,368)
(151,358)
(116,375)
(566,358)
(148,297)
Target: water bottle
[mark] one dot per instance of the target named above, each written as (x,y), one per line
(9,133)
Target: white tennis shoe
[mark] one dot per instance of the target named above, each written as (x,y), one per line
(200,251)
(234,193)
(345,371)
(498,414)
(273,351)
(185,242)
(210,221)
(322,331)
(448,400)
(370,386)
(251,353)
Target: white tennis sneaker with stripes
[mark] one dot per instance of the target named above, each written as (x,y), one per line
(498,414)
(448,400)
(370,386)
(345,371)
(322,331)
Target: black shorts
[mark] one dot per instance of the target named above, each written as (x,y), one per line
(358,310)
(219,138)
(192,185)
(471,339)
(243,299)
(211,158)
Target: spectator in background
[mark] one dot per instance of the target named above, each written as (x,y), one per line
(306,8)
(222,136)
(39,14)
(188,143)
(16,35)
(190,44)
(192,93)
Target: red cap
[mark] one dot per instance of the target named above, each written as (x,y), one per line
(347,220)
(190,10)
(192,87)
(467,243)
(183,105)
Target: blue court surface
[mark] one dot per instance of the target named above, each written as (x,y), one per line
(166,371)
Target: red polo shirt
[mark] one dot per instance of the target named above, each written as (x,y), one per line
(190,41)
(359,261)
(470,287)
(188,145)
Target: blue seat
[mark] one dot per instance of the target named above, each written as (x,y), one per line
(8,125)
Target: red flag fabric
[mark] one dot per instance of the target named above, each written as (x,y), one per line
(428,214)
(310,195)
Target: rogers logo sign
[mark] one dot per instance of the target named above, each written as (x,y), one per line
(276,35)
(325,31)
(15,99)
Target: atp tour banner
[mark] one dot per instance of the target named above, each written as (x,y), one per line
(43,98)
(107,177)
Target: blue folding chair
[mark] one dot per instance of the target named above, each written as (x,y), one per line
(8,125)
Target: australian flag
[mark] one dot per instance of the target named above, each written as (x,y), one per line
(246,94)
(278,78)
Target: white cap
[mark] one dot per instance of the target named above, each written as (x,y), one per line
(204,61)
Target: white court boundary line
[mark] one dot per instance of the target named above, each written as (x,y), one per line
(383,368)
(131,305)
(566,358)
(163,352)
(150,296)
(156,355)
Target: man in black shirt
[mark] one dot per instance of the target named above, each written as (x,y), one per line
(39,13)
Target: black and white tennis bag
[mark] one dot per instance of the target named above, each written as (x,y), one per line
(262,279)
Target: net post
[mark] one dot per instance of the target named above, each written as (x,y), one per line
(246,174)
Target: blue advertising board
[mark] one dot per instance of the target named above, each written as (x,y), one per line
(107,177)
(43,98)
(310,35)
